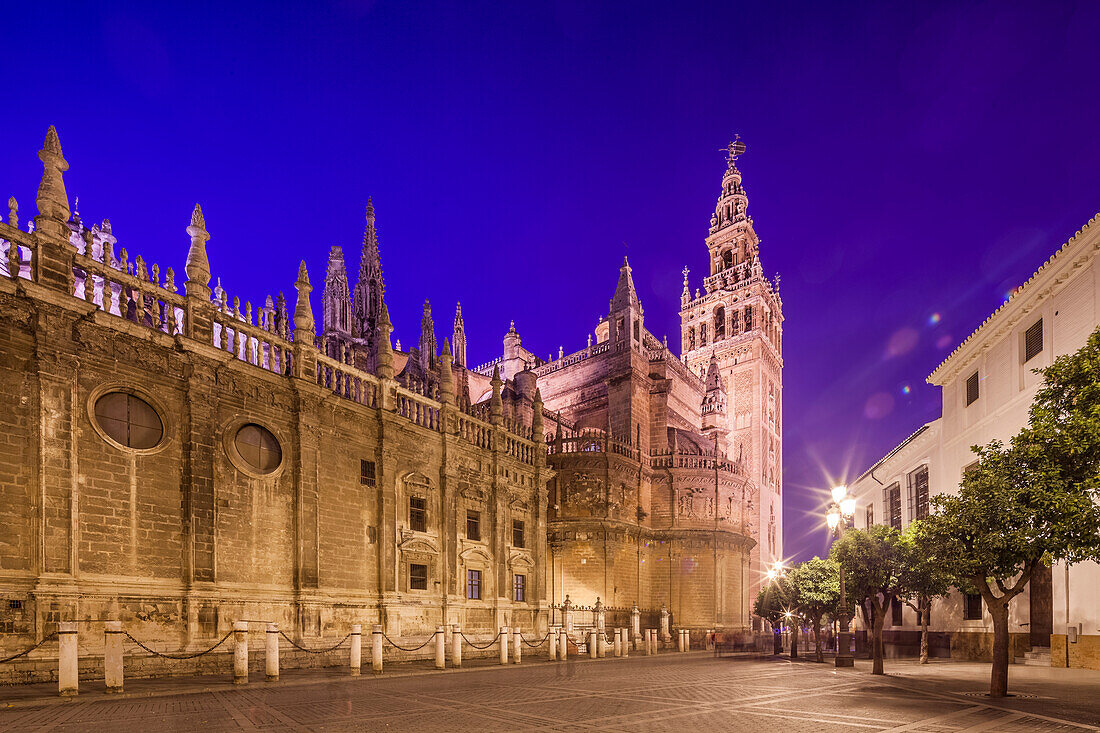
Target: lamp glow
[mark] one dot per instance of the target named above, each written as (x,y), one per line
(839,492)
(772,574)
(848,506)
(833,518)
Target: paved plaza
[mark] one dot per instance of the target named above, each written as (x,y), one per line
(677,692)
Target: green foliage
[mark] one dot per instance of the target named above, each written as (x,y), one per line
(775,600)
(872,561)
(922,575)
(817,584)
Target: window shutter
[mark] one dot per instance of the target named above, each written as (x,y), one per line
(1033,341)
(971,389)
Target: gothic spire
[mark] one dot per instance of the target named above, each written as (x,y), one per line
(335,300)
(625,294)
(370,288)
(303,311)
(197,266)
(459,337)
(427,339)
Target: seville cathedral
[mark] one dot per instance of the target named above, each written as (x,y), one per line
(177,458)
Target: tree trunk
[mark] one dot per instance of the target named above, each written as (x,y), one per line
(777,639)
(794,641)
(817,638)
(998,681)
(876,647)
(925,607)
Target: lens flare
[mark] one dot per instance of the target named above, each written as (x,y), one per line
(934,319)
(907,390)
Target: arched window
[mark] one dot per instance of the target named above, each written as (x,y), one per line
(719,323)
(727,259)
(129,420)
(691,339)
(702,334)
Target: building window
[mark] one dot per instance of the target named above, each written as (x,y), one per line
(891,503)
(518,539)
(519,588)
(473,525)
(473,584)
(129,420)
(973,609)
(719,324)
(258,448)
(870,514)
(895,613)
(1033,340)
(418,514)
(971,389)
(418,576)
(736,328)
(366,473)
(748,318)
(637,330)
(917,489)
(702,334)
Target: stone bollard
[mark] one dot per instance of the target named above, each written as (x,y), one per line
(440,647)
(552,640)
(687,640)
(271,652)
(618,642)
(68,677)
(592,644)
(356,656)
(651,641)
(376,649)
(517,642)
(504,644)
(240,653)
(456,647)
(680,640)
(563,644)
(112,656)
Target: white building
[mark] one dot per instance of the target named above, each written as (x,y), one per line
(988,384)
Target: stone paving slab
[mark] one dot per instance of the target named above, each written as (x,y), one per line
(674,693)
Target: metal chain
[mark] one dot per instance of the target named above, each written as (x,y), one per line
(410,649)
(475,646)
(13,657)
(537,643)
(314,651)
(177,656)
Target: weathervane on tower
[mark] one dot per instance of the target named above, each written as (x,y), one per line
(734,149)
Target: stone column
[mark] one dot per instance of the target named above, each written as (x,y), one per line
(112,656)
(563,638)
(440,647)
(618,642)
(271,652)
(666,635)
(376,648)
(626,642)
(687,640)
(599,615)
(552,640)
(504,645)
(356,656)
(517,643)
(68,676)
(456,647)
(593,640)
(240,653)
(567,615)
(636,623)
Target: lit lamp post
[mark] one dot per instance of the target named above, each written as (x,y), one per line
(775,572)
(842,508)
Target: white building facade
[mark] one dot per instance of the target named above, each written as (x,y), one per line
(988,383)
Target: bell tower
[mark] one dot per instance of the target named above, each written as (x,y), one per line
(735,324)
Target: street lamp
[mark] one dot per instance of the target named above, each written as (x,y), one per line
(842,508)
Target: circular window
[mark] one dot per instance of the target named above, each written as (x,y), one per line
(129,420)
(258,448)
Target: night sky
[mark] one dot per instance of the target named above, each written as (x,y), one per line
(907,164)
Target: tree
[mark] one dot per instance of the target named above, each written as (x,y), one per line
(1031,501)
(773,603)
(872,565)
(922,578)
(817,584)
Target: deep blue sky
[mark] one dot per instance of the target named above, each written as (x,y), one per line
(904,160)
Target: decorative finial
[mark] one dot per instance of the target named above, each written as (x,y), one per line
(52,200)
(370,209)
(303,311)
(13,212)
(197,266)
